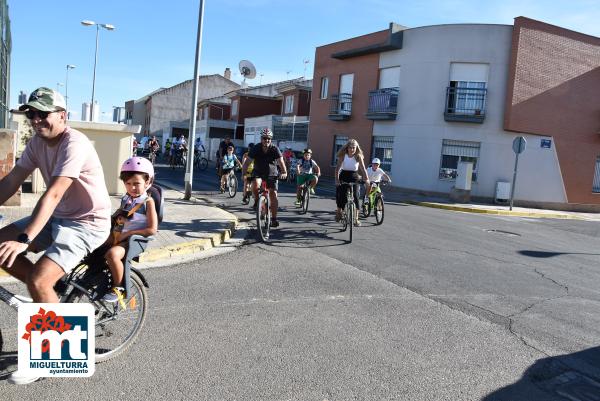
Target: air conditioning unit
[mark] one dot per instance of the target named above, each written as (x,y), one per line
(502,192)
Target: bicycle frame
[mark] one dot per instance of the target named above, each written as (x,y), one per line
(375,189)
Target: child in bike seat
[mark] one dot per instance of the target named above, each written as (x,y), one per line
(136,216)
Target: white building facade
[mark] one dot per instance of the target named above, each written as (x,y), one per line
(425,148)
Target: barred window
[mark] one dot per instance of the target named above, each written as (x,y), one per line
(338,142)
(383,147)
(596,184)
(454,152)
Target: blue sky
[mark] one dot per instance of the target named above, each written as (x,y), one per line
(154,42)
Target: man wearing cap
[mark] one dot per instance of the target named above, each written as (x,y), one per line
(72,218)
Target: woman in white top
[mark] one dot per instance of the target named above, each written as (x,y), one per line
(349,160)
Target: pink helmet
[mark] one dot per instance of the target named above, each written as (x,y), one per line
(138,165)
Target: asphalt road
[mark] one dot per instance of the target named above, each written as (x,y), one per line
(432,305)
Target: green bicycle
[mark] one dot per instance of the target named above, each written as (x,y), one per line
(374,201)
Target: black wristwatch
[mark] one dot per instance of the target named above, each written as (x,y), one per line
(24,239)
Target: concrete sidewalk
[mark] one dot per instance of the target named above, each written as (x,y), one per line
(188,227)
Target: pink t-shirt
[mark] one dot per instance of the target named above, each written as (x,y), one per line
(87,199)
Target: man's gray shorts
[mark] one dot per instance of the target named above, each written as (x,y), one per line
(66,242)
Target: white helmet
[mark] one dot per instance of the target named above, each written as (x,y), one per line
(375,161)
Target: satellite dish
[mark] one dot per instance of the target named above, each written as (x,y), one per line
(247,70)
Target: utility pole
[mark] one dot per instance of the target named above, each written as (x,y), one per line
(191,137)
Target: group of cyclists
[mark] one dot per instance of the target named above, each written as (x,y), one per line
(266,162)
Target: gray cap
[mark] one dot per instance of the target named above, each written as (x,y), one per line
(45,99)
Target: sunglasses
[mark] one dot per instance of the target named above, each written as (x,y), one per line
(265,139)
(31,114)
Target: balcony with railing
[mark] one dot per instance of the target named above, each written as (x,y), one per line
(383,104)
(340,107)
(465,104)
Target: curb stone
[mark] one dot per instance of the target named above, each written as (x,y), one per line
(496,212)
(186,248)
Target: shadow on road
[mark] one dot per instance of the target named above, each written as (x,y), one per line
(548,254)
(559,376)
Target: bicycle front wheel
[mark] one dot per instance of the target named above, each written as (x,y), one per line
(350,216)
(305,199)
(378,209)
(116,327)
(232,185)
(263,218)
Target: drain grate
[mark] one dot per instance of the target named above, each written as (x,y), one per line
(507,233)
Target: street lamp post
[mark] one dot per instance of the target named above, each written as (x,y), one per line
(69,67)
(108,27)
(190,157)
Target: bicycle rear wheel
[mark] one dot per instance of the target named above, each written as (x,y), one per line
(203,165)
(305,194)
(116,328)
(378,209)
(366,207)
(263,218)
(232,185)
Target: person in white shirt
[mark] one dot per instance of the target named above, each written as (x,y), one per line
(375,174)
(199,146)
(179,145)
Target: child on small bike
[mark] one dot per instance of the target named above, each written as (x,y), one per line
(136,216)
(228,163)
(375,175)
(307,171)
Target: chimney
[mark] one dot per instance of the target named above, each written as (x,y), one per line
(227,73)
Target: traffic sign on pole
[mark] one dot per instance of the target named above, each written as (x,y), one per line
(518,146)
